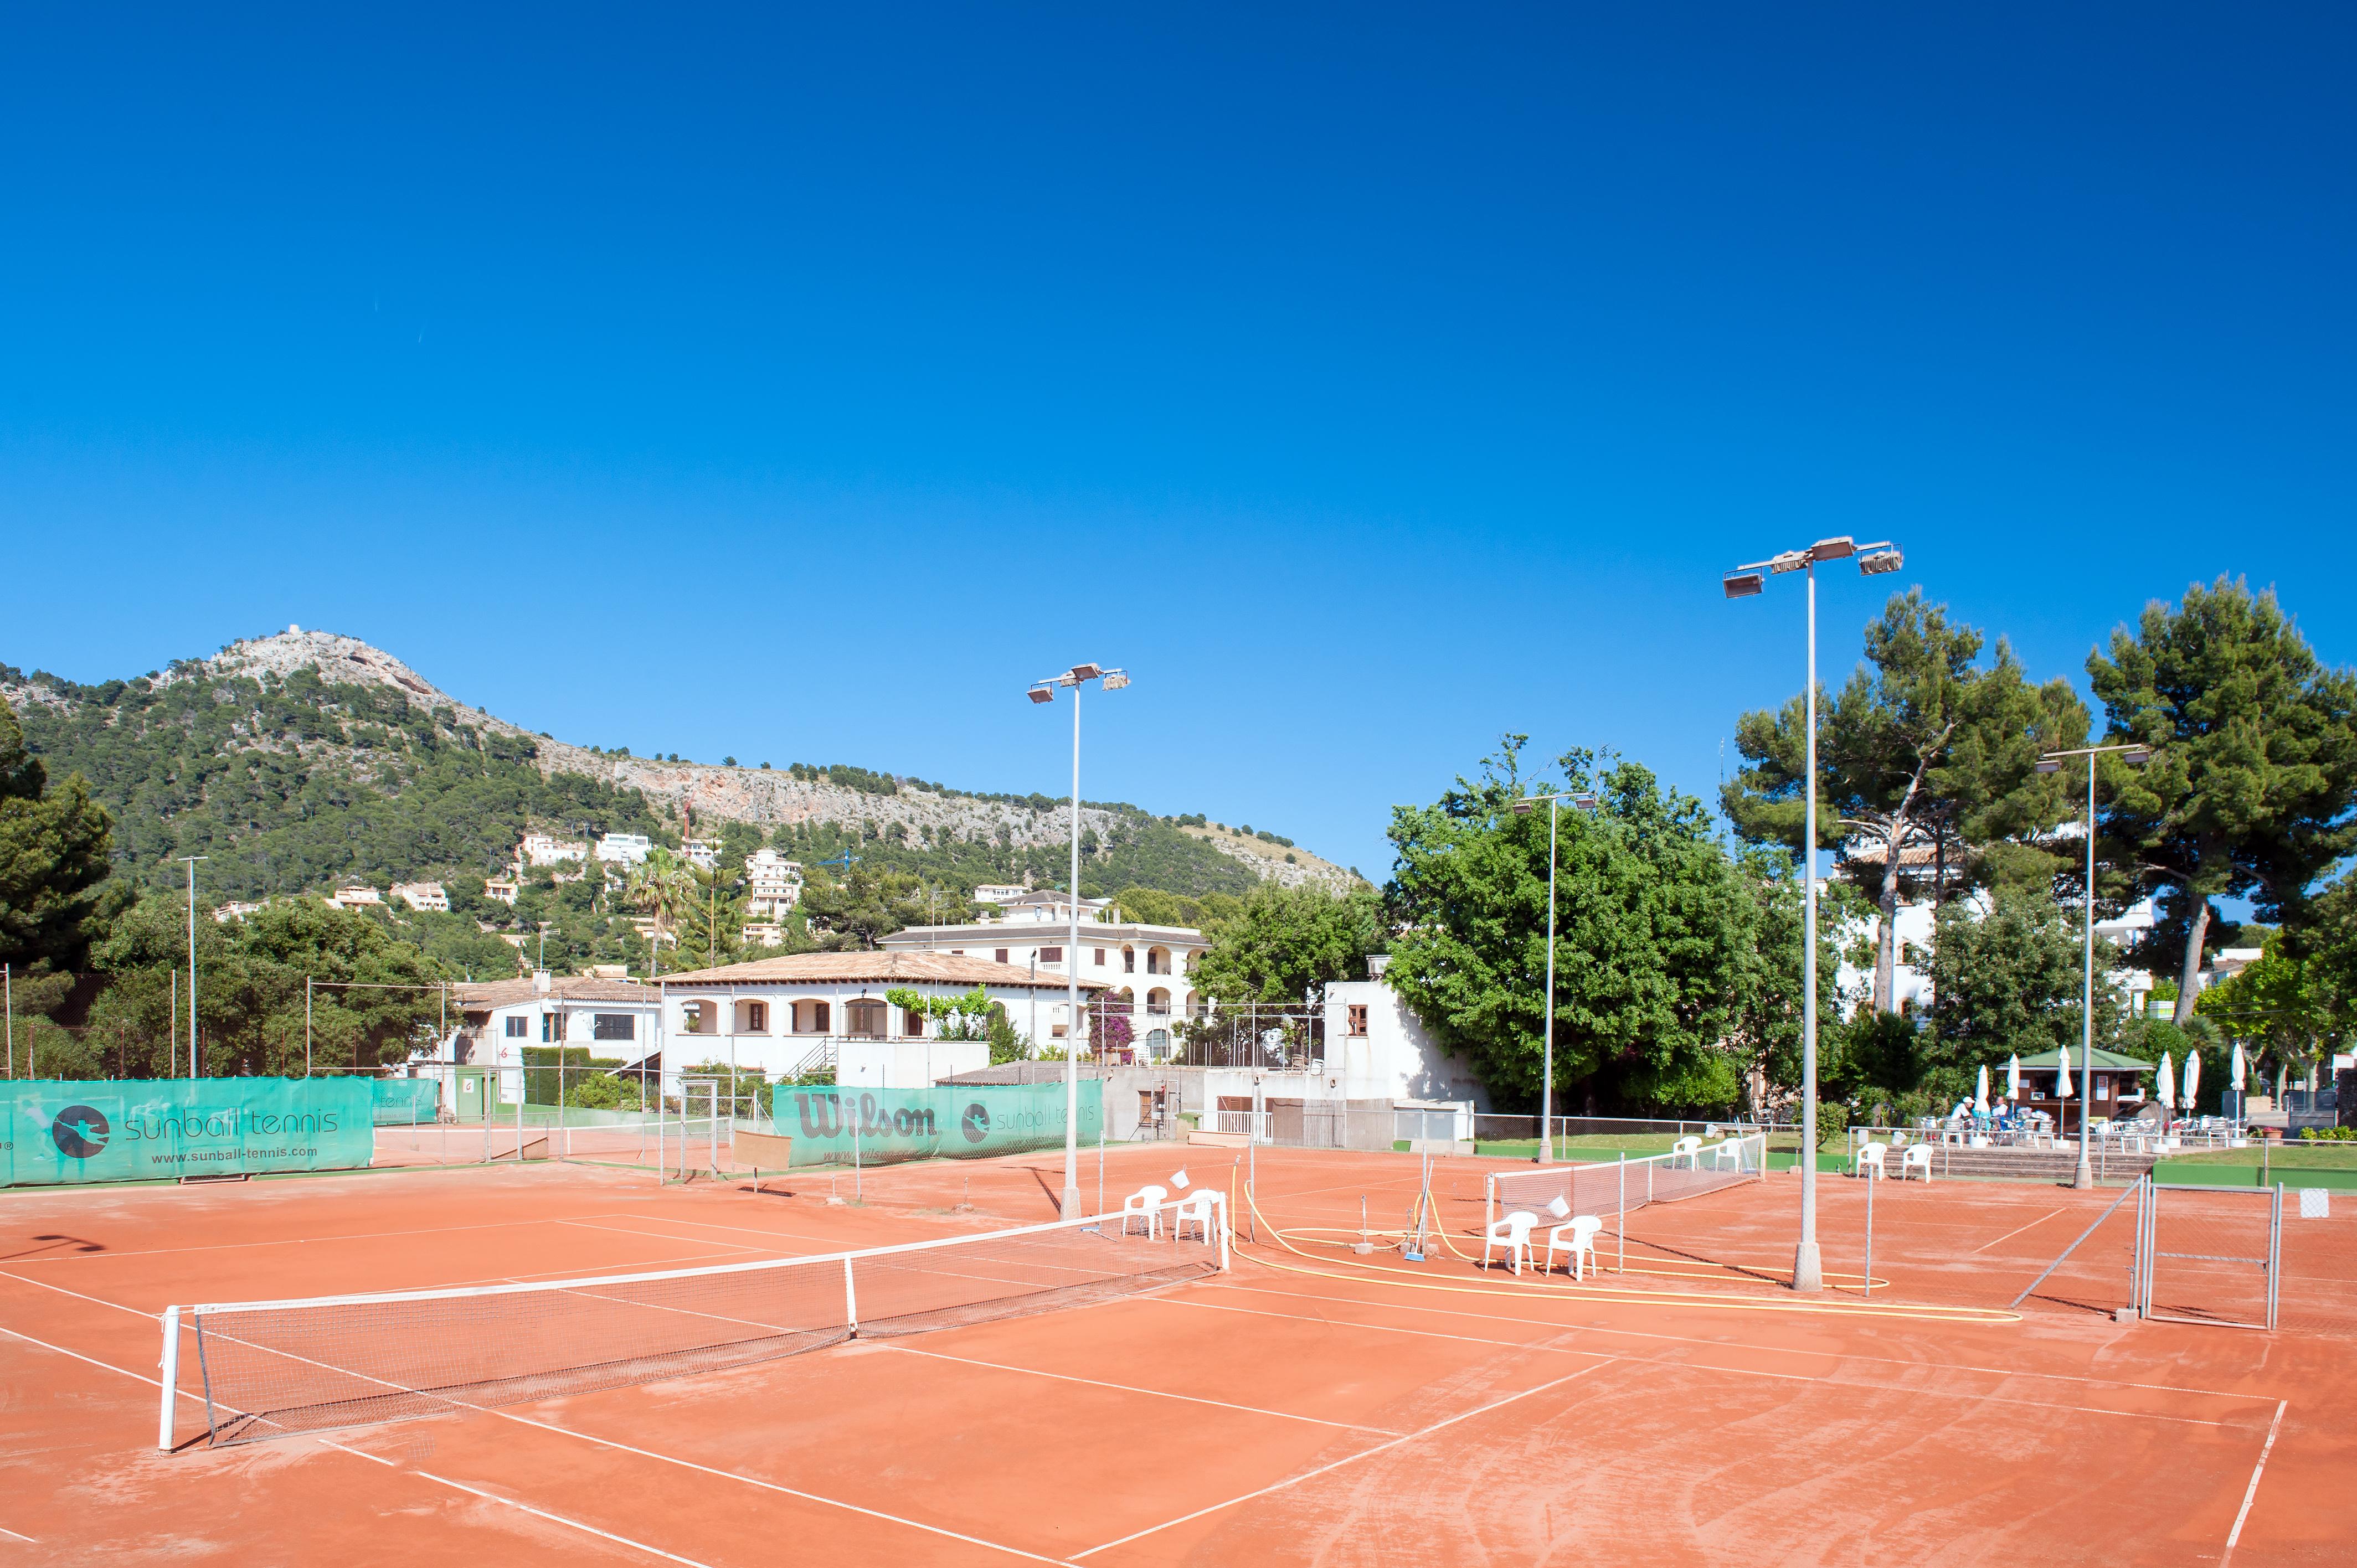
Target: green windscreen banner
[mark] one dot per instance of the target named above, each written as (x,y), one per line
(404,1101)
(147,1129)
(884,1125)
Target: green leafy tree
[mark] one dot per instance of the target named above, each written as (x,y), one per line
(856,913)
(1922,749)
(54,848)
(2011,980)
(2288,1005)
(2250,786)
(1285,943)
(1649,914)
(1766,986)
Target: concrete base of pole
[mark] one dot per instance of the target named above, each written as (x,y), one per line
(2085,1179)
(1072,1209)
(1808,1268)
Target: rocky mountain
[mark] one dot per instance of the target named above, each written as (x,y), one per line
(301,758)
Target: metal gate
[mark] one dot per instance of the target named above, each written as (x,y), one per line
(2210,1254)
(698,1129)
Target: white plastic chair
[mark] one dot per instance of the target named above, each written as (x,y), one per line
(1869,1161)
(1578,1238)
(1727,1153)
(1144,1204)
(1197,1211)
(1513,1233)
(1918,1158)
(1689,1149)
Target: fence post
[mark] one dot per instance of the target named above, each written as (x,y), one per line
(1869,1237)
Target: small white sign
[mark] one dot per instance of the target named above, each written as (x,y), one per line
(2315,1203)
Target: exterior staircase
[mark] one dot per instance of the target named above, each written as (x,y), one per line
(2057,1164)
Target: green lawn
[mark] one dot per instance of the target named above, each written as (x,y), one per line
(2303,1156)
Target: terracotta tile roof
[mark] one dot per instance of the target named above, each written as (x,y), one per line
(877,968)
(560,988)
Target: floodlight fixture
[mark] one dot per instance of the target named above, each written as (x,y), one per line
(1743,584)
(1875,563)
(2136,756)
(1525,805)
(1079,673)
(1839,548)
(1114,680)
(1785,561)
(2050,765)
(1045,692)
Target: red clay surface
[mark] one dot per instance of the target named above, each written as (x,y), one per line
(1307,1406)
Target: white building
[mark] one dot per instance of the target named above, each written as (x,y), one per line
(423,896)
(998,892)
(357,896)
(503,889)
(235,910)
(539,849)
(631,848)
(1148,970)
(615,1019)
(776,883)
(702,853)
(1377,1048)
(790,1015)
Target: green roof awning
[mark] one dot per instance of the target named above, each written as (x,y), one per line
(2105,1062)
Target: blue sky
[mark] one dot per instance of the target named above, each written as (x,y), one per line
(1369,381)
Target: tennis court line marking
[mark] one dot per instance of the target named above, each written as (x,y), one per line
(1646,1361)
(2011,1234)
(14,1536)
(511,1502)
(602,1443)
(1133,1389)
(657,1236)
(284,1242)
(765,1486)
(1830,1382)
(2250,1493)
(1688,1339)
(1336,1465)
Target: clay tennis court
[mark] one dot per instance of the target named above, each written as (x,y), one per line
(1308,1405)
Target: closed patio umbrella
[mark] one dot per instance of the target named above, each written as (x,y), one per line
(2013,1079)
(2062,1076)
(2235,1073)
(1980,1092)
(2167,1082)
(2192,1078)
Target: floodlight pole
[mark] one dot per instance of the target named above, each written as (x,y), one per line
(1873,560)
(2136,756)
(192,860)
(1045,692)
(1546,1029)
(1808,1267)
(1073,995)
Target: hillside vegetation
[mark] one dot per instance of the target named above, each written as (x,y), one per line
(299,761)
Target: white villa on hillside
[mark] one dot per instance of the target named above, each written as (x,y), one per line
(776,882)
(1147,968)
(423,896)
(630,848)
(786,1017)
(539,849)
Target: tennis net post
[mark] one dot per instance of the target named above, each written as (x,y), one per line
(169,1369)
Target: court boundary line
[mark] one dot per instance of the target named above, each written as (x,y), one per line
(2251,1492)
(1830,1382)
(14,1536)
(1135,1388)
(621,1447)
(522,1508)
(2011,1234)
(1689,1340)
(1346,1459)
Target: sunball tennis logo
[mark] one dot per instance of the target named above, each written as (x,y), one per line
(81,1132)
(976,1123)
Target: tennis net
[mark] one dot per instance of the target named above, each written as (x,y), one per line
(1621,1186)
(270,1368)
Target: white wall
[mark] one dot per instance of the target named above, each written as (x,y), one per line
(907,1064)
(1397,1058)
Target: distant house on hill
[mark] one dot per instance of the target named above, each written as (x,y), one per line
(539,849)
(428,896)
(357,896)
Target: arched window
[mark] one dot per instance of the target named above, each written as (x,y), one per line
(1158,960)
(1157,1003)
